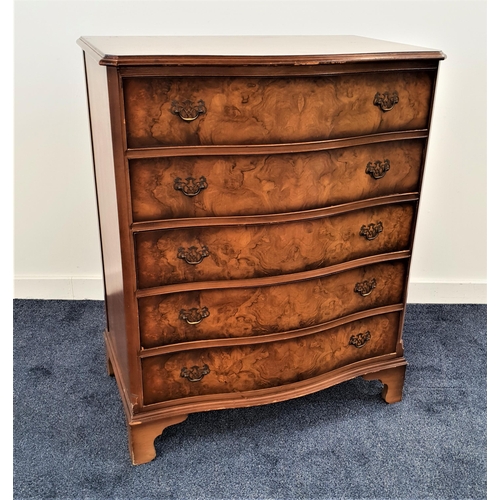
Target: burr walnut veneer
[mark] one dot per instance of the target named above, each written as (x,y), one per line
(257,202)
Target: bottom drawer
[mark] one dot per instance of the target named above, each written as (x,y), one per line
(226,369)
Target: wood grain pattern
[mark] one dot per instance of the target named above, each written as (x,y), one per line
(273,110)
(265,184)
(247,368)
(267,250)
(245,312)
(283,141)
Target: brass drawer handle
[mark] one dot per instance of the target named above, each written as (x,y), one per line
(360,339)
(364,288)
(190,187)
(386,101)
(194,315)
(371,231)
(195,373)
(193,255)
(378,169)
(187,110)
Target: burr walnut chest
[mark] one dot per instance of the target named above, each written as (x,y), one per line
(257,202)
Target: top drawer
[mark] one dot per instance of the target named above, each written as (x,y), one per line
(163,111)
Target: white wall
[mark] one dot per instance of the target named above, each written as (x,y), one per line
(56,248)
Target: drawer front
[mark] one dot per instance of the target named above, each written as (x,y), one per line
(245,312)
(238,252)
(191,111)
(208,186)
(220,370)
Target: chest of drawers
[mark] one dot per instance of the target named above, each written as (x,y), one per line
(257,202)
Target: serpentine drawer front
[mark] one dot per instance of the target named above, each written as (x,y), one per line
(211,186)
(250,311)
(250,251)
(192,111)
(257,208)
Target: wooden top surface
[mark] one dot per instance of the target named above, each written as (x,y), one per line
(301,49)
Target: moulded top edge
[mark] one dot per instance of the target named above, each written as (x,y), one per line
(222,50)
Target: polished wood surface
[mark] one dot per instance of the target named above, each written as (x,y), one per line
(233,50)
(393,380)
(271,110)
(260,250)
(141,437)
(109,219)
(244,312)
(257,212)
(272,364)
(265,184)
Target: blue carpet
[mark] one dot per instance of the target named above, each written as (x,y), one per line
(70,439)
